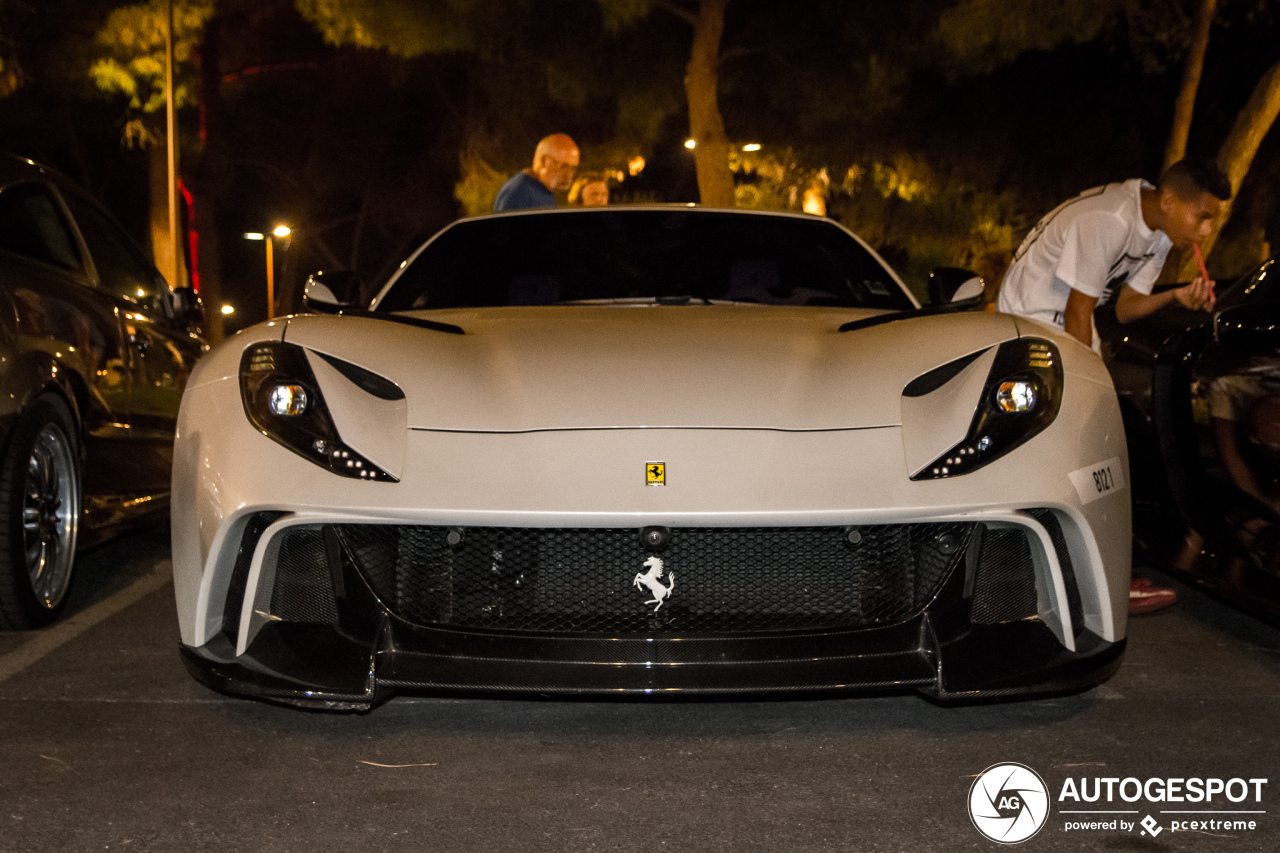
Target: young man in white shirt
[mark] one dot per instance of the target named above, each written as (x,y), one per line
(1118,235)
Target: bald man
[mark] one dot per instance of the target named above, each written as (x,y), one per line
(554,162)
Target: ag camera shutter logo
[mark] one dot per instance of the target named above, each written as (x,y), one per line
(1008,803)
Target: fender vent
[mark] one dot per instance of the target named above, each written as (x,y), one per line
(231,607)
(1049,519)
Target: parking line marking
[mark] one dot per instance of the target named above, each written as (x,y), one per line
(47,640)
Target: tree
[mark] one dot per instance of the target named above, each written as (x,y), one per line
(1185,105)
(50,112)
(134,67)
(982,35)
(134,37)
(985,33)
(566,66)
(520,71)
(701,85)
(1252,124)
(1237,152)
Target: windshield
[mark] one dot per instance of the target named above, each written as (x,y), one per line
(553,259)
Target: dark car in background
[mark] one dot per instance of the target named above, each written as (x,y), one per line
(1200,396)
(95,350)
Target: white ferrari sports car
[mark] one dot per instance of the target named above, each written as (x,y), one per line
(648,451)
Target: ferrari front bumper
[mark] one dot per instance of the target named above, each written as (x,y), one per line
(956,611)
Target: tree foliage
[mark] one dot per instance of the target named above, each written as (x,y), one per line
(532,68)
(937,129)
(134,40)
(983,35)
(406,28)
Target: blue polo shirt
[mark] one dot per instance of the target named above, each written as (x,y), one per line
(522,192)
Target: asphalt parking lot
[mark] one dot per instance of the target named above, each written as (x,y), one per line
(107,744)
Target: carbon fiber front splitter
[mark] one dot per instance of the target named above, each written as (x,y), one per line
(372,655)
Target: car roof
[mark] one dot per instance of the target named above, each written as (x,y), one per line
(15,170)
(667,208)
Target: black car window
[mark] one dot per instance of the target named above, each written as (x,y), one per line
(122,270)
(638,254)
(32,225)
(1258,286)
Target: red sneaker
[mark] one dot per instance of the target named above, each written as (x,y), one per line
(1145,598)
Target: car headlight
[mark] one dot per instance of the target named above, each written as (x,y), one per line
(1021,397)
(282,400)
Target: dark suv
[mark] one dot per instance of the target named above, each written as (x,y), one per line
(95,350)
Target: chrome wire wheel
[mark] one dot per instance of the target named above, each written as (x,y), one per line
(50,515)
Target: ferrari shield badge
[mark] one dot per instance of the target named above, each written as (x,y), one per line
(651,580)
(655,473)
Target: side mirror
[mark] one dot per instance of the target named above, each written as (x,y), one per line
(1252,329)
(955,285)
(328,292)
(187,308)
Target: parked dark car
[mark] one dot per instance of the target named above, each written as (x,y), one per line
(1200,395)
(95,350)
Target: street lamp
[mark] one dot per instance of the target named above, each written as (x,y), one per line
(278,231)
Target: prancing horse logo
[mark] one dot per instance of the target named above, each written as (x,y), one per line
(650,579)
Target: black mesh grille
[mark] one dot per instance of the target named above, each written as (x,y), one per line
(240,572)
(303,589)
(592,580)
(1005,590)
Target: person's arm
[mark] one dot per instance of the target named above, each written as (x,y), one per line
(1078,316)
(1132,305)
(1224,436)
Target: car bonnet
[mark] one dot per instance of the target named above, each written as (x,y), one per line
(650,366)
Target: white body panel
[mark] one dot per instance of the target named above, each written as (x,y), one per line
(832,455)
(581,367)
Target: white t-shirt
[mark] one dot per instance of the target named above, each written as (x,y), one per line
(1091,243)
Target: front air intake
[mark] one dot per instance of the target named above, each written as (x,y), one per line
(593,581)
(1004,588)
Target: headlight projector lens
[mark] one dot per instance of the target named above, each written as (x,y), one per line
(1016,396)
(288,400)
